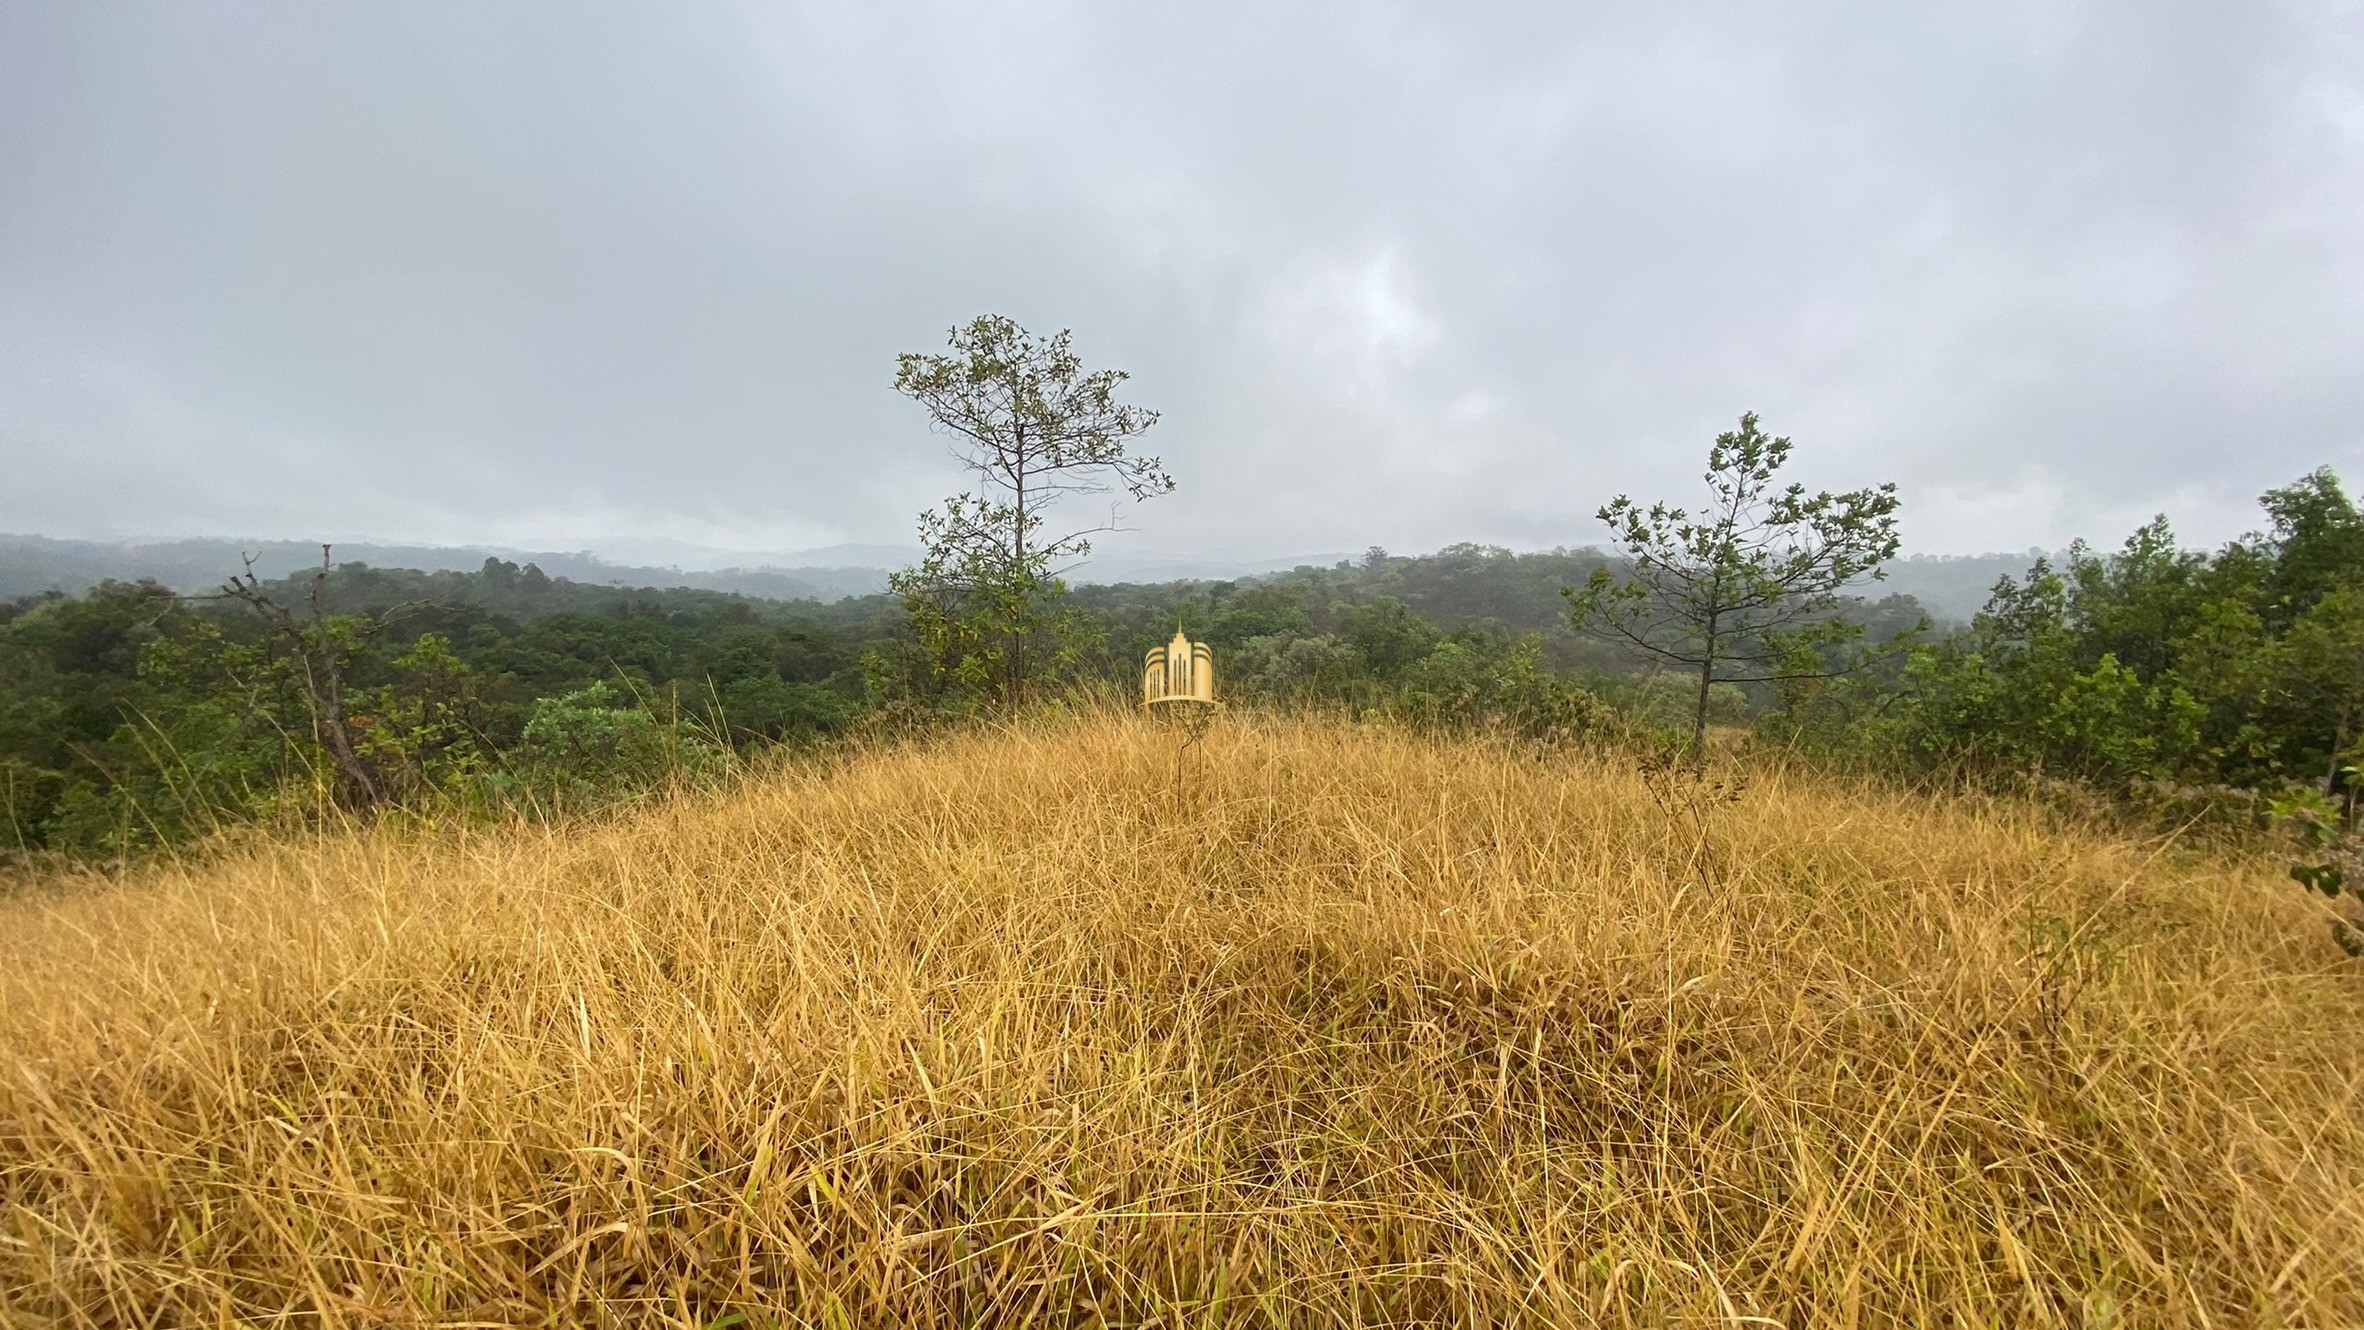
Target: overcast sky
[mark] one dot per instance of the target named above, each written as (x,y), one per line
(592,276)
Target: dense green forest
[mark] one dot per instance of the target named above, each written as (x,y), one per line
(131,716)
(2241,668)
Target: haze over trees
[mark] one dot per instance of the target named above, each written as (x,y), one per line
(129,717)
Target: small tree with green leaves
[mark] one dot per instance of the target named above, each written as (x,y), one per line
(1034,427)
(2320,678)
(1745,590)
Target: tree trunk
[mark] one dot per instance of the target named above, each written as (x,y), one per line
(1707,674)
(1707,677)
(328,706)
(1014,675)
(2339,740)
(348,760)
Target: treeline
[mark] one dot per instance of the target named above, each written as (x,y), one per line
(2241,669)
(130,716)
(1469,637)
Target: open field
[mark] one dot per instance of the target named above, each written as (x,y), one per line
(1353,1028)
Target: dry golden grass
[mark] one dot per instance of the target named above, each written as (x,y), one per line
(1369,1030)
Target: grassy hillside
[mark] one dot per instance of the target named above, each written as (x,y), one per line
(1343,1026)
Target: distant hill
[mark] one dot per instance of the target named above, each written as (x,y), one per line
(1951,587)
(30,565)
(1464,583)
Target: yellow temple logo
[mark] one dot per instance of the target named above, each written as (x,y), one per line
(1181,671)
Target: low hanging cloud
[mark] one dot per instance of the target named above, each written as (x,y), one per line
(602,276)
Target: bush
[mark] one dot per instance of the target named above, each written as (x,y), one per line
(1667,700)
(765,706)
(1292,669)
(587,748)
(27,796)
(1961,710)
(1466,684)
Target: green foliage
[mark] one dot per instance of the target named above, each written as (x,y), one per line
(766,706)
(1034,427)
(2315,675)
(1385,660)
(28,797)
(2149,664)
(2316,544)
(2200,684)
(1746,590)
(1292,670)
(1667,701)
(1471,684)
(2330,860)
(422,731)
(130,718)
(506,591)
(590,747)
(1389,637)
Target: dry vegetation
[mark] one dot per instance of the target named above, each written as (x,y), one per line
(1360,1029)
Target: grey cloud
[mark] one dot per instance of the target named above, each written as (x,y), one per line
(565,275)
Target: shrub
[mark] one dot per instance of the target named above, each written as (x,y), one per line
(1292,669)
(587,747)
(1468,684)
(765,706)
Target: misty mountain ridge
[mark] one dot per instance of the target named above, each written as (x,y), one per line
(1949,586)
(30,565)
